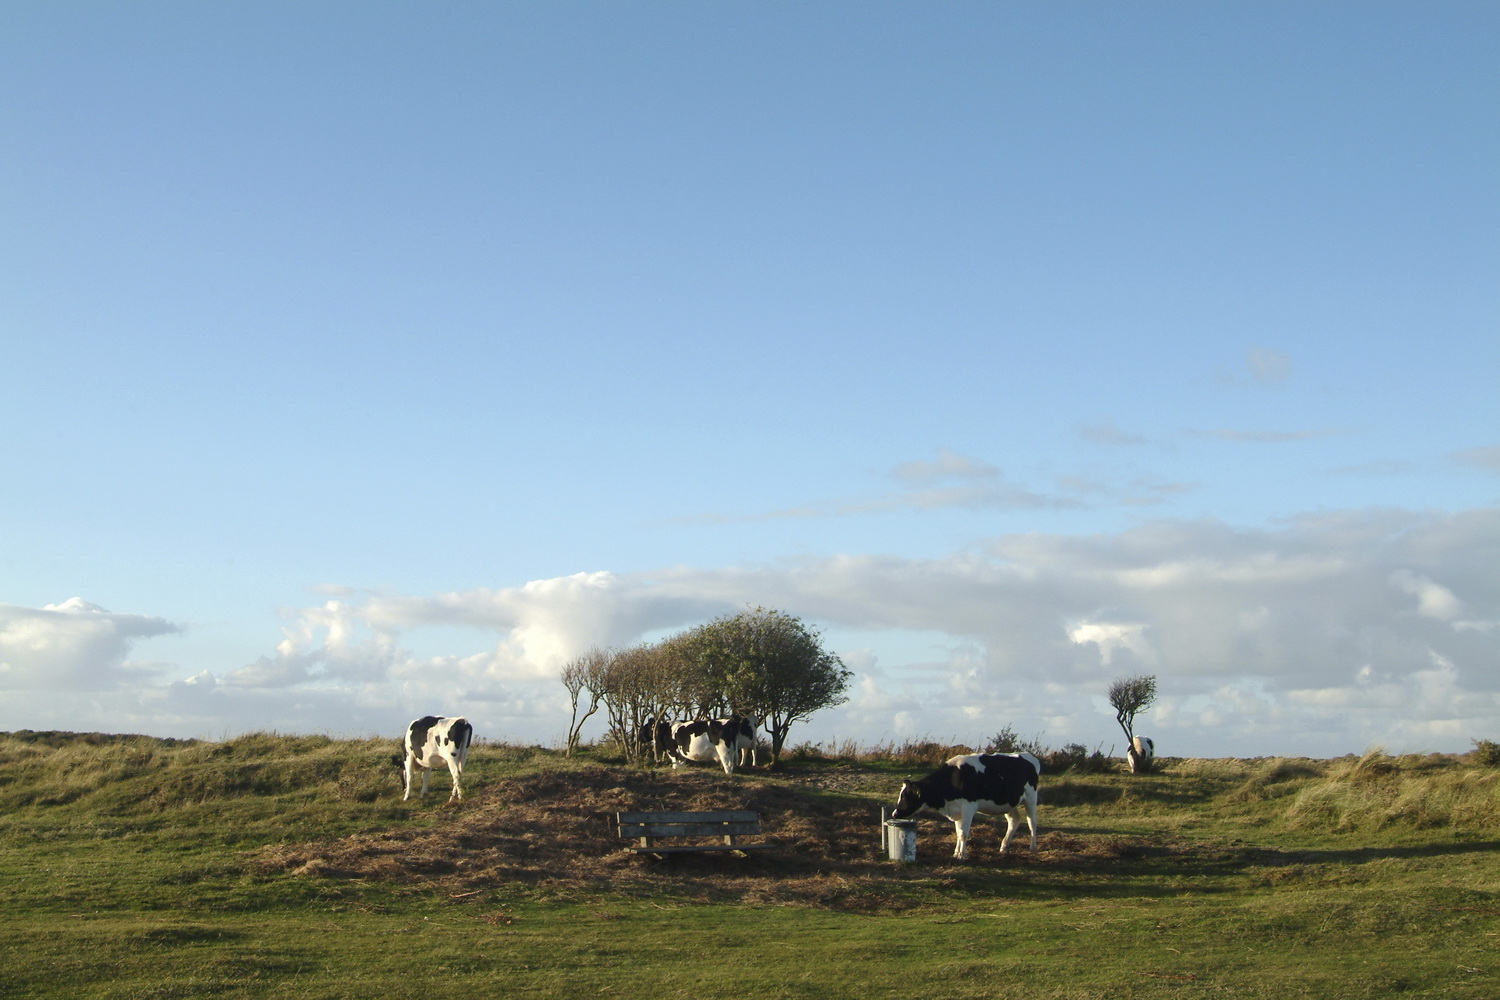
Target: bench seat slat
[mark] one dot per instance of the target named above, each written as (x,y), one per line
(698,848)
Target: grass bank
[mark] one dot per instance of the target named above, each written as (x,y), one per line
(279,866)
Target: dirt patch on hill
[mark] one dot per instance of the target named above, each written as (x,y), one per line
(554,831)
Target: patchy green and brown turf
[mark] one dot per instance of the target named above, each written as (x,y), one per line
(554,831)
(281,867)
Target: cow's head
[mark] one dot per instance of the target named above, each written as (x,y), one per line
(909,802)
(399,763)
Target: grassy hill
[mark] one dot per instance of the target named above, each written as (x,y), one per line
(284,866)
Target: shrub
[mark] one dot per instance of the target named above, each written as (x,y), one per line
(1074,758)
(1486,753)
(914,753)
(804,751)
(1008,740)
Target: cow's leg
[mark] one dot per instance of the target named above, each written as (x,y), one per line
(408,772)
(961,827)
(1010,829)
(1031,816)
(458,793)
(426,771)
(726,756)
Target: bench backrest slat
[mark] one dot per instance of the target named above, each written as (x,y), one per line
(728,824)
(688,829)
(724,816)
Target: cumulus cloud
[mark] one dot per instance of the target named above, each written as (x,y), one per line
(1113,638)
(70,645)
(1433,599)
(1319,635)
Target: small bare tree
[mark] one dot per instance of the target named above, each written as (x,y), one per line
(629,693)
(1129,696)
(580,676)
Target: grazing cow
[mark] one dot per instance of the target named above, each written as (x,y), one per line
(1140,755)
(656,734)
(430,740)
(995,783)
(728,740)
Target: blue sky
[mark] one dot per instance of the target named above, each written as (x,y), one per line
(369,360)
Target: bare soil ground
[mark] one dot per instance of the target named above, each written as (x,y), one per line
(554,831)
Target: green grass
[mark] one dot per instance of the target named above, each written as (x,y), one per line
(135,868)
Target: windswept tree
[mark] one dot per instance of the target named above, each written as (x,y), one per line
(630,694)
(1129,696)
(770,665)
(691,689)
(583,676)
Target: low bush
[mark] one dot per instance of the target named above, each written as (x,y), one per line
(1486,753)
(1075,758)
(1008,740)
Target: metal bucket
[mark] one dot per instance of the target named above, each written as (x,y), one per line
(901,839)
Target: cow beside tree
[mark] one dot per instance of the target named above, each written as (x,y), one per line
(1130,696)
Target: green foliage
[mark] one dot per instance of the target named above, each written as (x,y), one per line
(1007,740)
(1075,758)
(761,663)
(1486,753)
(1130,696)
(769,664)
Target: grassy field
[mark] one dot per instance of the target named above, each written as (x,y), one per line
(280,866)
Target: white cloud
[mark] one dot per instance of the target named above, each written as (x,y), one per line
(74,644)
(1433,599)
(1114,637)
(1321,635)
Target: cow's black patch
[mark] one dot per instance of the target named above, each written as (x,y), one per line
(657,735)
(675,739)
(1003,780)
(416,733)
(717,730)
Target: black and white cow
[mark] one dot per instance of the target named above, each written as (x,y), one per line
(430,741)
(729,740)
(995,783)
(656,734)
(1140,755)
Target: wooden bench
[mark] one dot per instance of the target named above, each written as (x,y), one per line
(726,827)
